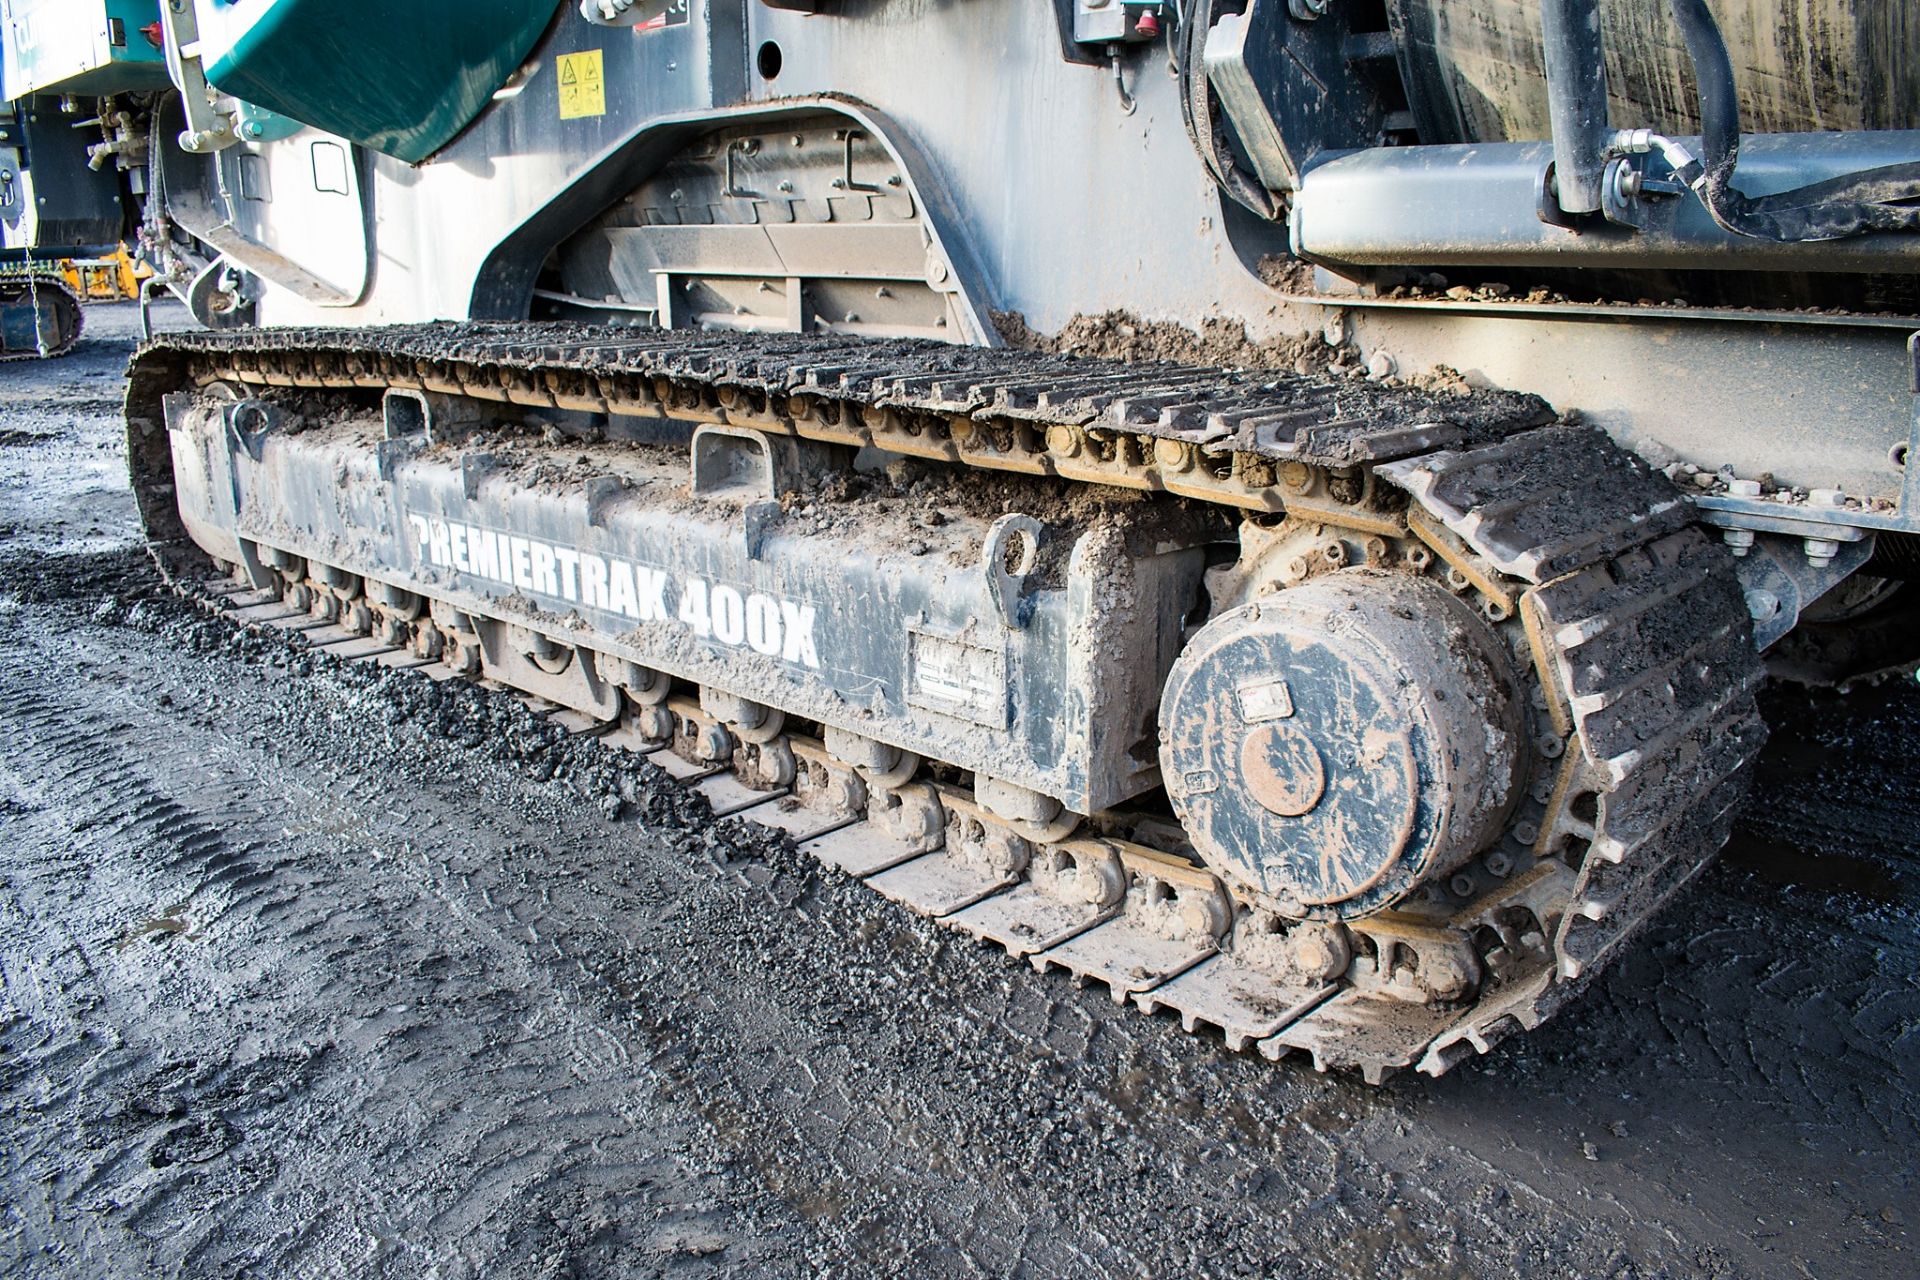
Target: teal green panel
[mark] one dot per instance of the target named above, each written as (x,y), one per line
(81,47)
(399,78)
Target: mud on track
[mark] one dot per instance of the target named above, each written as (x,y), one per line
(324,970)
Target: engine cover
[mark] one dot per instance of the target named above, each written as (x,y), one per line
(1334,747)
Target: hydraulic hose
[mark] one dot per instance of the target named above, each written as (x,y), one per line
(1832,210)
(1209,138)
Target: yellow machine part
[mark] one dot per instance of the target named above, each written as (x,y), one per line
(111,279)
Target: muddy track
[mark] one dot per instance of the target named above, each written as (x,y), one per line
(362,975)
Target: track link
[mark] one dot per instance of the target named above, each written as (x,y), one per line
(1632,619)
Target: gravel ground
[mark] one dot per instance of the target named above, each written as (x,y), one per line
(320,970)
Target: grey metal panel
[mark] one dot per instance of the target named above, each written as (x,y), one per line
(865,252)
(293,212)
(871,252)
(744,248)
(504,285)
(1476,204)
(1072,205)
(905,641)
(1817,406)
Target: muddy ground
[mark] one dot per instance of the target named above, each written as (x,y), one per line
(315,970)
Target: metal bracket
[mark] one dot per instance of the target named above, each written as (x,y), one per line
(1781,582)
(731,188)
(221,296)
(389,454)
(207,130)
(249,422)
(1761,515)
(1008,557)
(440,418)
(474,467)
(734,462)
(1227,60)
(601,490)
(752,468)
(1627,183)
(845,182)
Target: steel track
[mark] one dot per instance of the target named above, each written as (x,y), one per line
(1633,620)
(16,287)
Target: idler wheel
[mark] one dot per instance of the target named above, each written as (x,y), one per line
(1334,747)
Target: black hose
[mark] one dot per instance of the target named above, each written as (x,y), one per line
(1208,135)
(1832,210)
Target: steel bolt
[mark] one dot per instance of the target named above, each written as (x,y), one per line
(1762,604)
(1821,551)
(1739,541)
(1743,489)
(1828,499)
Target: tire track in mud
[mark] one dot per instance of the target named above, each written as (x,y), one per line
(341,1043)
(670,1046)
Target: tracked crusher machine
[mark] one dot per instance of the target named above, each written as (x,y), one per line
(1280,508)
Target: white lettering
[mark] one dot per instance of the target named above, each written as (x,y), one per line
(653,595)
(770,626)
(693,608)
(620,593)
(763,624)
(483,550)
(419,524)
(729,616)
(520,558)
(593,580)
(798,620)
(544,580)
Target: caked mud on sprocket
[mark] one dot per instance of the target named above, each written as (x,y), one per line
(1342,717)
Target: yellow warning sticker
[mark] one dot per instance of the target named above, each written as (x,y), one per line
(583,85)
